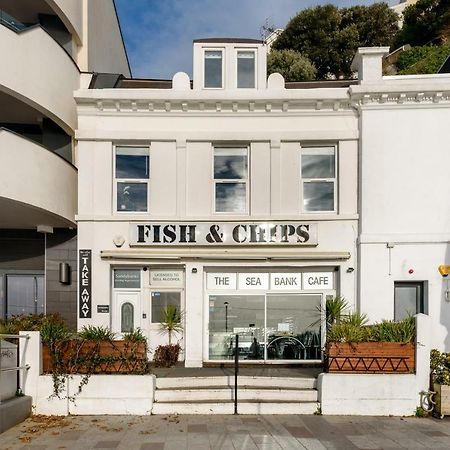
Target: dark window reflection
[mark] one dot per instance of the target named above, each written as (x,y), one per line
(230,197)
(132,166)
(132,197)
(318,166)
(230,167)
(318,196)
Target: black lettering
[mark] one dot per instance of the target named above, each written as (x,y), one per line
(214,236)
(169,234)
(143,232)
(187,231)
(257,233)
(236,234)
(302,233)
(157,234)
(286,232)
(273,233)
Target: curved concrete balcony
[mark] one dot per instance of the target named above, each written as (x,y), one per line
(37,187)
(37,71)
(71,14)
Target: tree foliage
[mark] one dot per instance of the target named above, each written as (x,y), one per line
(422,59)
(291,64)
(426,22)
(329,36)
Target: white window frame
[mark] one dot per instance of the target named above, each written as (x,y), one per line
(255,54)
(333,180)
(213,49)
(130,180)
(245,181)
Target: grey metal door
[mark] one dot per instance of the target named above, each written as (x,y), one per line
(24,294)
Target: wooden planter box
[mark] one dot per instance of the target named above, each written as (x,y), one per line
(370,357)
(113,356)
(442,399)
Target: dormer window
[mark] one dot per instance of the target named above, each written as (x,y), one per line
(246,69)
(213,69)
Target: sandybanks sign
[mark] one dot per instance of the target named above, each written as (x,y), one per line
(223,234)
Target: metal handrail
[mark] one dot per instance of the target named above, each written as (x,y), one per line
(236,371)
(14,336)
(16,368)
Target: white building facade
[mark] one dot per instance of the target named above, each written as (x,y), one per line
(241,202)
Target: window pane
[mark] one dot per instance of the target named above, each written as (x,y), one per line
(405,301)
(160,301)
(127,318)
(213,69)
(131,196)
(246,69)
(230,197)
(319,164)
(132,162)
(127,278)
(230,164)
(318,196)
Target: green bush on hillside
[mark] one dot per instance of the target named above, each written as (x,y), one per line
(422,59)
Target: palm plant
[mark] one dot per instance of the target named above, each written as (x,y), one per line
(171,321)
(335,311)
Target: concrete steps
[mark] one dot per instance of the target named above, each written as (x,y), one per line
(215,395)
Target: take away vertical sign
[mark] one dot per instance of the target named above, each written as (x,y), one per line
(85,284)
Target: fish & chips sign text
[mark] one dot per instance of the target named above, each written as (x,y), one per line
(223,233)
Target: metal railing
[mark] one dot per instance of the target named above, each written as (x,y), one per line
(236,372)
(18,367)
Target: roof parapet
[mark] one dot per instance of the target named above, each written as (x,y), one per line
(368,63)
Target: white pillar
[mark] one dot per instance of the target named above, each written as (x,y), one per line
(193,333)
(30,354)
(368,62)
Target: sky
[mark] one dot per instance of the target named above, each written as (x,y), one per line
(158,34)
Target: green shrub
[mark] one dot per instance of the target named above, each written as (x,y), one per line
(353,329)
(52,331)
(422,60)
(135,336)
(30,322)
(403,331)
(440,367)
(96,333)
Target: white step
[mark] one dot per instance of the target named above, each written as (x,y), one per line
(243,408)
(243,381)
(194,395)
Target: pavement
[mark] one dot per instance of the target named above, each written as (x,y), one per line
(227,433)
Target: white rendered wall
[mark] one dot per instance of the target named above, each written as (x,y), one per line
(405,191)
(36,70)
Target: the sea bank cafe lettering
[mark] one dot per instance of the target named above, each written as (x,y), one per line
(293,233)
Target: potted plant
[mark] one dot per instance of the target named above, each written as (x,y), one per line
(385,347)
(440,375)
(171,323)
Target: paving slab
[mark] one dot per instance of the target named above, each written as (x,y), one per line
(262,432)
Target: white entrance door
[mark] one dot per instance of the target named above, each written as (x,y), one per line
(160,299)
(126,312)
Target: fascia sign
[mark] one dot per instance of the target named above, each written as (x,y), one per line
(223,234)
